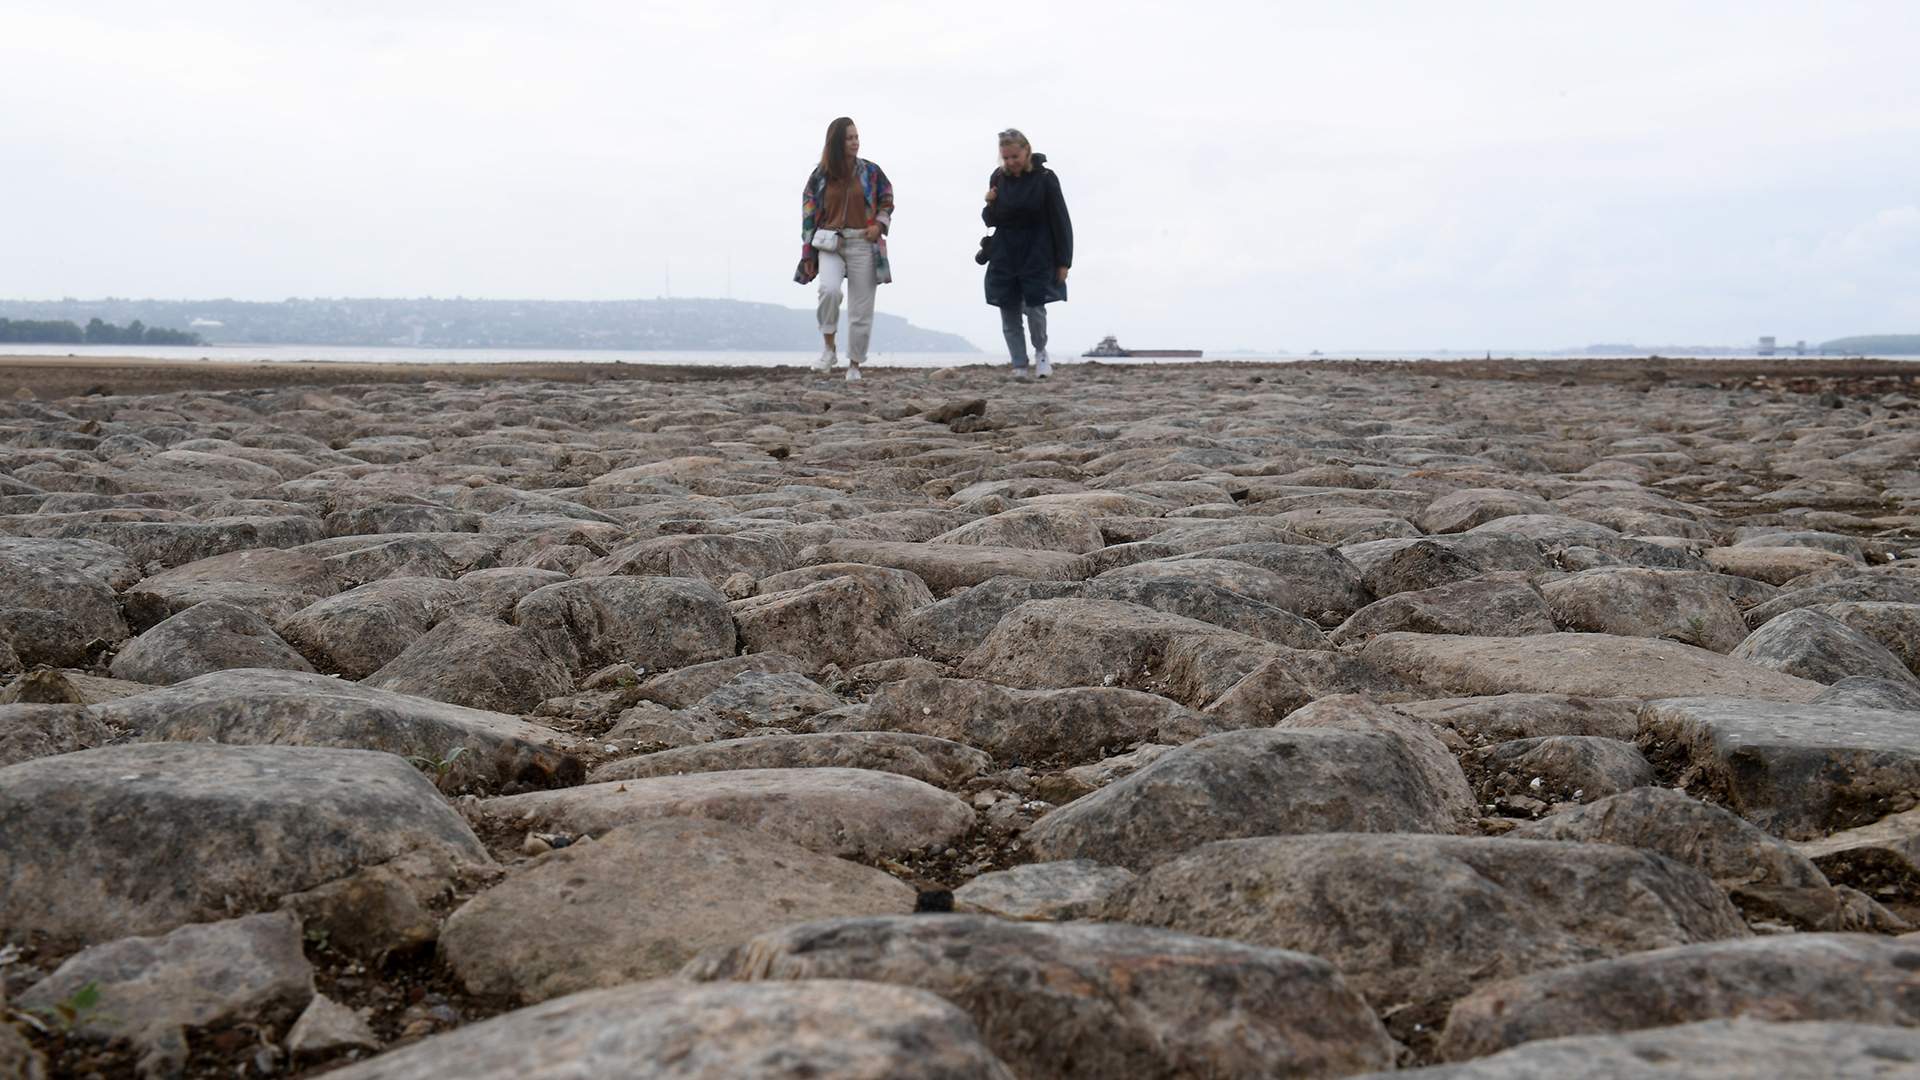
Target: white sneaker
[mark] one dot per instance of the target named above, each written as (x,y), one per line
(1022,373)
(824,362)
(1041,368)
(853,371)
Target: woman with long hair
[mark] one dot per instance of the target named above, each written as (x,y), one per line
(846,211)
(1031,250)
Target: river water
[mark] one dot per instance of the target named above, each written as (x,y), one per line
(395,354)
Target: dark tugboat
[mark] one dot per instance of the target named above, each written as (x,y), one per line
(1110,346)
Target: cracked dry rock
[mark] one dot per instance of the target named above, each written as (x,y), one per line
(1088,1000)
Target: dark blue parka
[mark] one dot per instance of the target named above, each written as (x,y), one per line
(1032,237)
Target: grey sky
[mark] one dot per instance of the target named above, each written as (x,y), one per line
(1292,175)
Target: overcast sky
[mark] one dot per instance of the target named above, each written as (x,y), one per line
(1264,175)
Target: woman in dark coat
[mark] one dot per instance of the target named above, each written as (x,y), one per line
(1031,251)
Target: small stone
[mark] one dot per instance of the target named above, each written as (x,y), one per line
(327,1027)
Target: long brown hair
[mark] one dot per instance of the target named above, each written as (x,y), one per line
(833,156)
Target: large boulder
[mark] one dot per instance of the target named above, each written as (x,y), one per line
(1763,875)
(1774,565)
(1580,768)
(357,632)
(710,558)
(650,622)
(1074,725)
(1091,1000)
(495,590)
(1678,605)
(1587,665)
(692,684)
(847,620)
(1797,771)
(1498,605)
(158,545)
(1495,718)
(298,709)
(1043,892)
(208,637)
(30,731)
(1029,528)
(1057,643)
(1357,712)
(1869,588)
(852,812)
(1427,918)
(641,900)
(272,584)
(34,636)
(1708,1050)
(950,629)
(1458,511)
(1209,603)
(1248,783)
(141,839)
(1345,524)
(1866,692)
(947,567)
(1312,582)
(668,1030)
(153,989)
(1812,645)
(940,762)
(73,578)
(1845,977)
(478,662)
(1421,564)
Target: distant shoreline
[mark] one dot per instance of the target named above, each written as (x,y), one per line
(56,376)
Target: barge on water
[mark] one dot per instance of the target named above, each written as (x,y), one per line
(1110,346)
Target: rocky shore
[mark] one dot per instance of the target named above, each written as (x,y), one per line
(1485,720)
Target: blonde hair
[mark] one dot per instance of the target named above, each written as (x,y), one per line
(1016,137)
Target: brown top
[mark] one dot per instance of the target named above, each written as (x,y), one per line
(844,207)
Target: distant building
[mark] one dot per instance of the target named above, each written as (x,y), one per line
(1766,346)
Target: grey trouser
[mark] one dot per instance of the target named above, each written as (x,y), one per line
(853,263)
(1010,326)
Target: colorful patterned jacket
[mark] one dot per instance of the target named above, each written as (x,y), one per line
(879,192)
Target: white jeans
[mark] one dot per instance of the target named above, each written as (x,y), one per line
(853,263)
